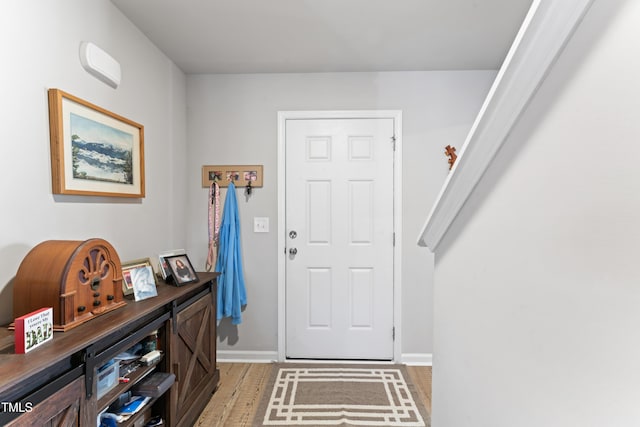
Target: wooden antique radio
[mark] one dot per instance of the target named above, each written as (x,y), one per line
(80,280)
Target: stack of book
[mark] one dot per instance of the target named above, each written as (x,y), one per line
(132,407)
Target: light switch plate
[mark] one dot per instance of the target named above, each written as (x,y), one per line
(260,225)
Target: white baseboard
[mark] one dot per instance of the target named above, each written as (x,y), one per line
(412,359)
(417,359)
(247,356)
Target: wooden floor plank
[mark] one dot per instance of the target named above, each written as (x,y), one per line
(237,397)
(421,378)
(223,400)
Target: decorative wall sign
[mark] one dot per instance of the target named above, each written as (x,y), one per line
(241,175)
(94,152)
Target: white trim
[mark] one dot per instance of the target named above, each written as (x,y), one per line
(282,341)
(246,356)
(234,356)
(397,250)
(544,33)
(396,115)
(417,359)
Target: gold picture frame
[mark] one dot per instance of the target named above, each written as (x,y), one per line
(94,152)
(240,174)
(127,281)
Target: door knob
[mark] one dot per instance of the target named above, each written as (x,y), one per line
(293,251)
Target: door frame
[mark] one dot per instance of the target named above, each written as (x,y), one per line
(396,115)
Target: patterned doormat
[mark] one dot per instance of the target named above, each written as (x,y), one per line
(340,394)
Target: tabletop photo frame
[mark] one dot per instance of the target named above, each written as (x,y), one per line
(144,283)
(181,269)
(127,267)
(163,266)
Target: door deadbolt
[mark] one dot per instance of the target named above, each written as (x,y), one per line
(293,234)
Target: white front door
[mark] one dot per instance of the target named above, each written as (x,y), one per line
(339,238)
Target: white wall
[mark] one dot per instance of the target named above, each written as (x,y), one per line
(232,119)
(39,41)
(537,297)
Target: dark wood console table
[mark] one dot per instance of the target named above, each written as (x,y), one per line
(56,384)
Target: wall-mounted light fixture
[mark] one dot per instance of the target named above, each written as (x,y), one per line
(100,64)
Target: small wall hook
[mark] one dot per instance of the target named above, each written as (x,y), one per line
(451,153)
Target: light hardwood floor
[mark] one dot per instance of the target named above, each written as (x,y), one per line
(241,386)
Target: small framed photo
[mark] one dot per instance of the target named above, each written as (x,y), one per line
(127,282)
(144,283)
(165,272)
(181,269)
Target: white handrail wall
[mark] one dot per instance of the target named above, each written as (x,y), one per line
(546,29)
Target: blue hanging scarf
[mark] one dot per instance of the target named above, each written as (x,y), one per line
(231,291)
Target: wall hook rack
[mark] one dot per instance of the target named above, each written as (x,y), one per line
(249,176)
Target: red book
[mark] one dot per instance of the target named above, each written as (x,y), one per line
(33,329)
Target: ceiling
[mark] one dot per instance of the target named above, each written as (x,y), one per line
(275,36)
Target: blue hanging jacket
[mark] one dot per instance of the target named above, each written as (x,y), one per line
(231,291)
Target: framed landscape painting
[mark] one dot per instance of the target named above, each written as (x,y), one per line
(94,151)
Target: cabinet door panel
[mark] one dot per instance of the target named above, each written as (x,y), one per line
(193,360)
(60,410)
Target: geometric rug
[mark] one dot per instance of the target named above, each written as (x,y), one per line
(340,395)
